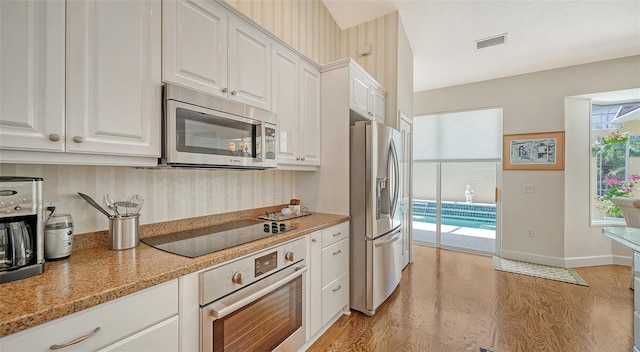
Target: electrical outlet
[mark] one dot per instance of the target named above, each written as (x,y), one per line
(55,204)
(530,233)
(278,192)
(528,188)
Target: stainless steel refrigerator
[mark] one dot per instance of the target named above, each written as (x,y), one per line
(376,240)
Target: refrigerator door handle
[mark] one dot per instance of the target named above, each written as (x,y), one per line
(393,155)
(388,242)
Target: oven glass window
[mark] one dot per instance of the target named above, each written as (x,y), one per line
(197,132)
(263,324)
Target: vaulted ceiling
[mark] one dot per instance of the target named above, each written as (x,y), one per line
(540,35)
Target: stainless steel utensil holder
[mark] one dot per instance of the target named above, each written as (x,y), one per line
(124,232)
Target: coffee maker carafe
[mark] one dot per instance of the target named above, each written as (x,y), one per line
(21,228)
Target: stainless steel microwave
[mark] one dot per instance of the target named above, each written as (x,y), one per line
(201,130)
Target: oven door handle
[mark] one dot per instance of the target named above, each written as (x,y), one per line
(222,310)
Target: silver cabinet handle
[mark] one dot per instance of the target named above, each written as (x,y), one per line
(74,341)
(54,137)
(302,158)
(233,92)
(338,252)
(224,90)
(78,139)
(337,234)
(314,240)
(337,288)
(297,158)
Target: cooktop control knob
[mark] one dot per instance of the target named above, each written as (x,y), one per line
(237,278)
(288,256)
(283,227)
(267,228)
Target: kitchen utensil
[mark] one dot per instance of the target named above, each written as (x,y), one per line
(124,232)
(137,202)
(111,204)
(94,204)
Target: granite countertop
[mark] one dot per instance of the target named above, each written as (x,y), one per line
(629,236)
(94,274)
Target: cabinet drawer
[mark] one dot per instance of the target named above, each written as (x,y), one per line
(160,337)
(636,293)
(334,297)
(117,320)
(335,233)
(636,328)
(335,261)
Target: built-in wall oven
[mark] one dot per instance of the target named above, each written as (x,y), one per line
(256,303)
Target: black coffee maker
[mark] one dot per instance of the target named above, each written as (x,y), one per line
(21,228)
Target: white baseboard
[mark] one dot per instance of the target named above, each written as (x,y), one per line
(532,258)
(578,262)
(574,262)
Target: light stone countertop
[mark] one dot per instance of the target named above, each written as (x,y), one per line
(629,236)
(94,274)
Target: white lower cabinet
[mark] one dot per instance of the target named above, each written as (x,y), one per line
(146,320)
(328,276)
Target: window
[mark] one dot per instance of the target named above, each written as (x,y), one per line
(615,157)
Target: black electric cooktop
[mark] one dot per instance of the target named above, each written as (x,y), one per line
(197,242)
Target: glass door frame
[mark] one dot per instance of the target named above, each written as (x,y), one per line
(497,199)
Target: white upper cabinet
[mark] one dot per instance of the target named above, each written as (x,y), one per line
(285,70)
(310,114)
(194,44)
(92,95)
(296,101)
(249,65)
(113,77)
(32,69)
(366,96)
(207,49)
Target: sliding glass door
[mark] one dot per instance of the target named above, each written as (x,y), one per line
(456,176)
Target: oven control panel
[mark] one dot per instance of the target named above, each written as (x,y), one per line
(266,263)
(231,276)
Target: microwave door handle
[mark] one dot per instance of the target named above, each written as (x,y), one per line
(259,156)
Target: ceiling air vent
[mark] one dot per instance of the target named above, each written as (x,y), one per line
(497,40)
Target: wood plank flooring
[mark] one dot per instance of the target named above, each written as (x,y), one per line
(453,301)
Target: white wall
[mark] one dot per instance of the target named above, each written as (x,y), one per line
(405,76)
(536,103)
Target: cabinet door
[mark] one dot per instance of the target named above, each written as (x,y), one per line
(249,65)
(309,114)
(113,77)
(315,286)
(359,94)
(194,45)
(285,67)
(32,66)
(377,101)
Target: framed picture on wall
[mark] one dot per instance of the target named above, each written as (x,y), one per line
(533,151)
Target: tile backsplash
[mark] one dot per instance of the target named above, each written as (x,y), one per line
(169,194)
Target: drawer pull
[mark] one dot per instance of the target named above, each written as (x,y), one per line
(337,234)
(337,288)
(73,342)
(338,252)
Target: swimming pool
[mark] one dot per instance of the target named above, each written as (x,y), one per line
(474,215)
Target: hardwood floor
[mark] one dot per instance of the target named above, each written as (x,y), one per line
(452,301)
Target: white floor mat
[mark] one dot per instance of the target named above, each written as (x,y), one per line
(539,270)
